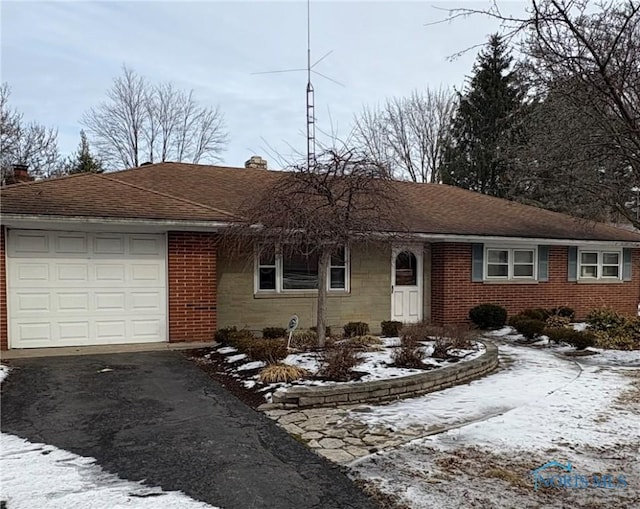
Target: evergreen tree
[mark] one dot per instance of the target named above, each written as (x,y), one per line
(486,117)
(83,161)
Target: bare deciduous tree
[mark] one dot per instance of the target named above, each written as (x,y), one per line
(588,55)
(344,198)
(407,134)
(142,122)
(30,143)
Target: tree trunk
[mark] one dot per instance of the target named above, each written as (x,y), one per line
(321,322)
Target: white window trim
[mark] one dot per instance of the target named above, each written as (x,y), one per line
(510,264)
(599,264)
(279,272)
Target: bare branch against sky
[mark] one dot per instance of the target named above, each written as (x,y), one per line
(59,61)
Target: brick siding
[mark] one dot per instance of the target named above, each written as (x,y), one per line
(192,286)
(453,293)
(4,341)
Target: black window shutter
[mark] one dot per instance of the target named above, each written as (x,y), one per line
(573,264)
(477,265)
(543,263)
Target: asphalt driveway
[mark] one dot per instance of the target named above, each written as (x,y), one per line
(157,417)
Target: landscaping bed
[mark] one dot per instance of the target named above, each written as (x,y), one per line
(345,361)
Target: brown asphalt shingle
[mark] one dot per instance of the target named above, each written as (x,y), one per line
(179,191)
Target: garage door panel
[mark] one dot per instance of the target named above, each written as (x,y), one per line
(72,273)
(145,246)
(29,243)
(73,302)
(37,272)
(109,272)
(74,330)
(33,332)
(146,301)
(145,328)
(110,301)
(108,245)
(71,244)
(31,302)
(111,330)
(145,273)
(75,288)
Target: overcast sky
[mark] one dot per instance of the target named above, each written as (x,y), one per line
(59,58)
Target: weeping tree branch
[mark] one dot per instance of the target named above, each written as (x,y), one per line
(343,199)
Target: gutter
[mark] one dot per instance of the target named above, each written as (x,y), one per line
(20,220)
(523,240)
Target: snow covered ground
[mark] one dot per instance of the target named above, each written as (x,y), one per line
(4,372)
(375,365)
(540,407)
(36,475)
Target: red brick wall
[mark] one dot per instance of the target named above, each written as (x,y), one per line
(192,286)
(4,342)
(453,293)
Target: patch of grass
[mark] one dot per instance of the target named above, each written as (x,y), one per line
(281,372)
(630,397)
(508,476)
(363,343)
(381,499)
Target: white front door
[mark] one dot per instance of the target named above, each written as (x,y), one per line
(80,288)
(406,280)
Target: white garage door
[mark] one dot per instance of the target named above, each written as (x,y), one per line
(75,288)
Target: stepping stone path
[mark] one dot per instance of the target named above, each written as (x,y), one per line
(339,436)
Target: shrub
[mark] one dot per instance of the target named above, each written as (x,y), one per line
(356,329)
(421,331)
(513,320)
(615,339)
(338,362)
(633,327)
(559,335)
(529,328)
(409,354)
(459,336)
(565,312)
(390,328)
(222,335)
(280,372)
(305,340)
(327,330)
(441,346)
(240,339)
(536,314)
(581,339)
(363,343)
(274,332)
(488,316)
(558,322)
(604,318)
(270,351)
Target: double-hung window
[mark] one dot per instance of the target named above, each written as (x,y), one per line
(510,263)
(600,265)
(283,269)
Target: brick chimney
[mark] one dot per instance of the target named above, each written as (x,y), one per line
(19,174)
(256,162)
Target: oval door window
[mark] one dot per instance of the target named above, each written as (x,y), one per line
(406,269)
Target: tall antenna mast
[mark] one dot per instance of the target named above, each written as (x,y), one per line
(311,108)
(311,120)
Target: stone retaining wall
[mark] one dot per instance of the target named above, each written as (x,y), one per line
(385,390)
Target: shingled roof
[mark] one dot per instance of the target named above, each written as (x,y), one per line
(188,192)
